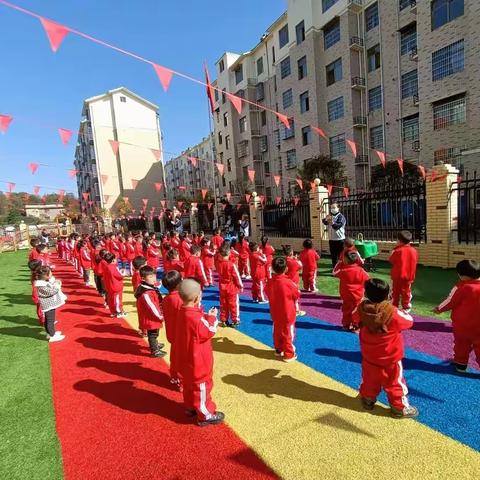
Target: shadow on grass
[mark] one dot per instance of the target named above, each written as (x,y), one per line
(23,331)
(13,299)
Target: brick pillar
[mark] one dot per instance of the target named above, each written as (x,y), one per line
(441,217)
(256,219)
(318,210)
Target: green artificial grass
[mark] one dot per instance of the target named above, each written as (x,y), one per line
(431,286)
(29,448)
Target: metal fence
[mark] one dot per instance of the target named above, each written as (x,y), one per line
(287,219)
(468,227)
(381,213)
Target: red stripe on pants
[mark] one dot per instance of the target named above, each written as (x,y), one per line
(115,302)
(197,395)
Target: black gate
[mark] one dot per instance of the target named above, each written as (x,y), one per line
(468,230)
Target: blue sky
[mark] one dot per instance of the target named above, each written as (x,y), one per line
(44,91)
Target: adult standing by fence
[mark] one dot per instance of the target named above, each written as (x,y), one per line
(244,225)
(336,231)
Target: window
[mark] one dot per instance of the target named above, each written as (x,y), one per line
(444,11)
(448,60)
(306,135)
(402,4)
(264,144)
(375,99)
(373,58)
(221,157)
(334,72)
(242,148)
(229,165)
(227,142)
(335,109)
(273,55)
(445,154)
(216,95)
(450,111)
(331,34)
(260,66)
(287,98)
(263,118)
(289,132)
(224,182)
(221,66)
(410,84)
(123,99)
(285,67)
(276,135)
(376,137)
(260,91)
(337,145)
(304,102)
(291,158)
(326,4)
(217,114)
(300,32)
(283,36)
(225,119)
(220,138)
(302,68)
(410,128)
(239,74)
(242,124)
(371,16)
(224,97)
(408,38)
(266,167)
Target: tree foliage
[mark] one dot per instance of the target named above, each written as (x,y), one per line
(391,174)
(329,170)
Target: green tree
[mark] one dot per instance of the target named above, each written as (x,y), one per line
(329,170)
(391,174)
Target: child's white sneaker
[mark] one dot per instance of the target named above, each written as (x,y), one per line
(58,337)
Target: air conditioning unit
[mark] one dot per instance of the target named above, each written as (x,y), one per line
(416,146)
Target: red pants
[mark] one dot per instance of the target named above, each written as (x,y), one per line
(209,275)
(258,289)
(115,302)
(401,288)
(283,337)
(244,266)
(390,378)
(349,304)
(174,374)
(197,395)
(463,344)
(229,307)
(309,280)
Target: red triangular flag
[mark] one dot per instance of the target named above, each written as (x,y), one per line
(8,195)
(11,186)
(162,203)
(433,176)
(61,195)
(33,167)
(193,160)
(158,186)
(209,205)
(125,199)
(353,147)
(55,32)
(276,179)
(5,121)
(381,156)
(134,183)
(204,193)
(221,168)
(283,119)
(115,145)
(72,172)
(423,172)
(320,132)
(145,202)
(85,195)
(248,197)
(104,179)
(400,164)
(300,183)
(157,153)
(278,200)
(296,200)
(262,199)
(236,101)
(182,187)
(251,175)
(164,75)
(180,204)
(329,189)
(228,195)
(26,197)
(346,191)
(239,205)
(90,203)
(36,190)
(210,93)
(65,135)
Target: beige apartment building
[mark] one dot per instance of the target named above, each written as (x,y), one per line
(399,76)
(120,116)
(186,180)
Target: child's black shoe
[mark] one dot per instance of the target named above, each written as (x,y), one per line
(213,420)
(407,412)
(459,367)
(158,353)
(368,403)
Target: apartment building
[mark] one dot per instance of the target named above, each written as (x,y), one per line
(107,175)
(397,76)
(185,180)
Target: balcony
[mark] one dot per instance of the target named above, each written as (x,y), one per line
(416,146)
(356,43)
(355,5)
(359,122)
(256,133)
(358,83)
(416,100)
(414,54)
(361,160)
(413,6)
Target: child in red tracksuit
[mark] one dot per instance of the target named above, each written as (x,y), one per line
(381,344)
(243,250)
(85,261)
(217,239)
(208,254)
(173,262)
(294,265)
(283,295)
(152,254)
(309,258)
(404,260)
(113,281)
(33,255)
(194,267)
(149,309)
(33,265)
(257,267)
(352,287)
(269,252)
(172,305)
(138,246)
(464,303)
(230,284)
(137,264)
(349,246)
(194,333)
(233,252)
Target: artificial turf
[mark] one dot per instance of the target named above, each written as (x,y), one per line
(28,443)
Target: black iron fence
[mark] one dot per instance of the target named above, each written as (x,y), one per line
(468,227)
(381,213)
(289,218)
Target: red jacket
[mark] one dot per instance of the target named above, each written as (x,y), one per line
(150,316)
(112,278)
(283,295)
(175,243)
(268,251)
(123,251)
(138,249)
(243,249)
(234,256)
(136,280)
(360,260)
(108,245)
(194,269)
(85,258)
(45,259)
(229,278)
(207,257)
(217,241)
(195,329)
(352,281)
(174,265)
(294,265)
(34,255)
(464,303)
(404,260)
(35,295)
(172,305)
(309,258)
(153,256)
(115,247)
(257,264)
(184,250)
(130,251)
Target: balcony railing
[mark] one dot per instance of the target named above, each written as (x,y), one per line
(359,121)
(355,5)
(416,146)
(413,6)
(414,53)
(356,43)
(358,82)
(361,160)
(416,100)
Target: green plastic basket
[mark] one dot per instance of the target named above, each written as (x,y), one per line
(366,248)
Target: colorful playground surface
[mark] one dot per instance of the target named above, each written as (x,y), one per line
(97,406)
